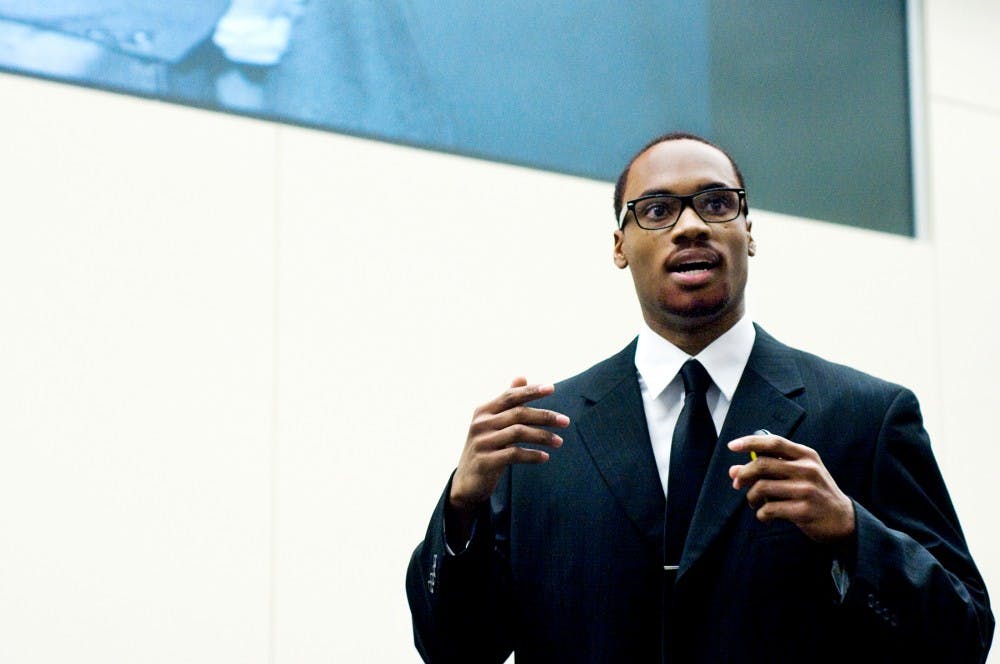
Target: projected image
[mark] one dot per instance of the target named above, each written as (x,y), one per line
(341,65)
(574,87)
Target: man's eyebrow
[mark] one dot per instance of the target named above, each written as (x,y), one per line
(660,191)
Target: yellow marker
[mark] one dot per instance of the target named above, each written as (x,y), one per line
(758,432)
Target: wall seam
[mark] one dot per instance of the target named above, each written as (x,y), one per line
(275,376)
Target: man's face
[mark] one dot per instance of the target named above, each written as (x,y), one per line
(689,278)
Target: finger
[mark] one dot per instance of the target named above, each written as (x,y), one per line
(796,511)
(517,434)
(770,445)
(768,491)
(520,455)
(528,415)
(767,512)
(516,395)
(767,467)
(747,444)
(734,475)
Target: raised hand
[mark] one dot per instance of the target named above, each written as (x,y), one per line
(497,429)
(789,481)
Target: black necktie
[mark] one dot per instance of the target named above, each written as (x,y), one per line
(691,449)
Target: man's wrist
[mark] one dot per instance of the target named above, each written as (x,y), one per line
(459,524)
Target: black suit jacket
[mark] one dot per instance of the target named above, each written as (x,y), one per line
(566,562)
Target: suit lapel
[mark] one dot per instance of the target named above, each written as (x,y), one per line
(614,431)
(761,401)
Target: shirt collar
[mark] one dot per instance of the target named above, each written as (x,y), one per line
(658,361)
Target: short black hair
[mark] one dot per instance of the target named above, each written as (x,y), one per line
(672,136)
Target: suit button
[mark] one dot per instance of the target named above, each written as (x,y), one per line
(871,601)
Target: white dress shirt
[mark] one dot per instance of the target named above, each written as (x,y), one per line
(659,363)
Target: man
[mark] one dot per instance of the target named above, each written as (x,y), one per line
(835,541)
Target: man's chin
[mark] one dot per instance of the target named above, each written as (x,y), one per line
(696,315)
(700,310)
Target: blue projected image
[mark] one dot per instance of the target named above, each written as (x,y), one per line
(525,82)
(575,87)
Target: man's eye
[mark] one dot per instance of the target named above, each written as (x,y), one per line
(719,204)
(656,210)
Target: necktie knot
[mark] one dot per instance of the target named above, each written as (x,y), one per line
(696,378)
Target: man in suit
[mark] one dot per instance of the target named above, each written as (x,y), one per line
(557,537)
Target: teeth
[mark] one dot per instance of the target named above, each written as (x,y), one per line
(694,267)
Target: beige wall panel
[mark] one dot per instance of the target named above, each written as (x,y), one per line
(962,50)
(135,346)
(965,144)
(852,296)
(413,286)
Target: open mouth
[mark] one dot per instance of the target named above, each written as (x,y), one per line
(694,261)
(695,266)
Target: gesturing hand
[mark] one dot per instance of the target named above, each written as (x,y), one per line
(789,481)
(497,428)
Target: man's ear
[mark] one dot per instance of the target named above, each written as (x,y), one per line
(619,254)
(751,245)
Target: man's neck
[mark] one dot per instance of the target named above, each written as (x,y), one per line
(693,335)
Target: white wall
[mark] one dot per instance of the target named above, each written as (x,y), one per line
(964,142)
(235,372)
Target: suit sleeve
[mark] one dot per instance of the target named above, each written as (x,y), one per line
(461,604)
(915,587)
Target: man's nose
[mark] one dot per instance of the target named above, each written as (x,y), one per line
(689,224)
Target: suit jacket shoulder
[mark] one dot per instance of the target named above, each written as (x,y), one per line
(767,349)
(590,385)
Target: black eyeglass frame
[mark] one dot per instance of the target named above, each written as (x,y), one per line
(686,201)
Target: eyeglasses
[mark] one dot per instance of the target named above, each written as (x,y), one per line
(657,212)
